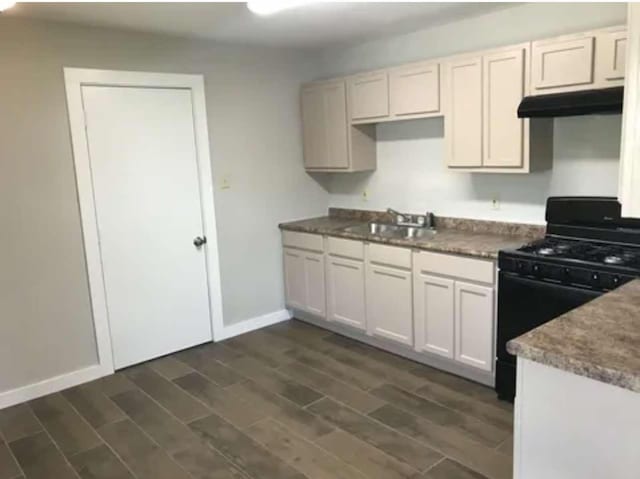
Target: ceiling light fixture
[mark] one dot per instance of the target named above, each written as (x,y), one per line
(6,5)
(268,7)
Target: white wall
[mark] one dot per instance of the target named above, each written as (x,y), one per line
(46,326)
(411,175)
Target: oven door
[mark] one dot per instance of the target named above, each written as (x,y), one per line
(525,304)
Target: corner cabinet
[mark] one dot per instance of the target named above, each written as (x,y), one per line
(482,130)
(330,143)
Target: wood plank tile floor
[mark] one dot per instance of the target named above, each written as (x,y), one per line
(287,402)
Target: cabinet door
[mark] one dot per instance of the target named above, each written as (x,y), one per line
(337,148)
(433,307)
(294,278)
(415,89)
(369,96)
(390,303)
(504,88)
(562,64)
(316,299)
(611,52)
(474,320)
(346,286)
(314,133)
(463,119)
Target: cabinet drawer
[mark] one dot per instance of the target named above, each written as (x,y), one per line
(457,266)
(346,248)
(302,240)
(390,255)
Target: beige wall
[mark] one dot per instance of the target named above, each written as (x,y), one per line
(252,101)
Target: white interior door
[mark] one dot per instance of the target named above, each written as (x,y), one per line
(143,158)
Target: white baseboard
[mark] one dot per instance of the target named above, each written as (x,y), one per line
(68,380)
(252,324)
(51,385)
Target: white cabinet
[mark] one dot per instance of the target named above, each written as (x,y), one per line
(346,296)
(482,130)
(504,86)
(433,306)
(414,90)
(474,315)
(611,53)
(584,61)
(389,303)
(454,316)
(294,278)
(304,280)
(463,118)
(324,121)
(629,178)
(562,64)
(369,96)
(330,143)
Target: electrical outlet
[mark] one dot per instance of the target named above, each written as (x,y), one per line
(495,202)
(365,195)
(225,184)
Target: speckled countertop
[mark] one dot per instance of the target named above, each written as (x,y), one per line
(599,340)
(467,237)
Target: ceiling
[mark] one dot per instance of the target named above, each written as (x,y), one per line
(308,27)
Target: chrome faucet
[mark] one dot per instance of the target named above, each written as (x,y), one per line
(422,221)
(398,217)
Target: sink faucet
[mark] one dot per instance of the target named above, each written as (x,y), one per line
(421,221)
(398,217)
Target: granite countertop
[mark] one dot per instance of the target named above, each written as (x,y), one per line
(599,340)
(467,237)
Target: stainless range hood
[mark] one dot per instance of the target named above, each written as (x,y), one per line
(586,102)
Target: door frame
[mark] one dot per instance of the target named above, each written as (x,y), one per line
(75,79)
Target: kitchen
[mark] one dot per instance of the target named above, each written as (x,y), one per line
(409,167)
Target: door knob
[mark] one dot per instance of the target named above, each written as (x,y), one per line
(199,241)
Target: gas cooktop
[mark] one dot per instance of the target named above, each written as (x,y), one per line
(585,251)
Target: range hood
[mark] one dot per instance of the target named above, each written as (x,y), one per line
(585,102)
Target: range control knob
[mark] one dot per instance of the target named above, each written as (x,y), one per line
(595,277)
(566,273)
(616,281)
(536,268)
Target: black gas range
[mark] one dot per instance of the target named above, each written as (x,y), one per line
(588,250)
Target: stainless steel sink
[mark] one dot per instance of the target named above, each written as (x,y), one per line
(391,231)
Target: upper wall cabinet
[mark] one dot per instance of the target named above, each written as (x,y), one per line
(482,130)
(414,90)
(330,143)
(463,120)
(369,96)
(611,53)
(582,61)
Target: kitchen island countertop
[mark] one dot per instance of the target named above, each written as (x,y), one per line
(599,340)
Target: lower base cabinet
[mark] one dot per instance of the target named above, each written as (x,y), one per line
(345,292)
(474,312)
(304,281)
(433,309)
(389,297)
(430,304)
